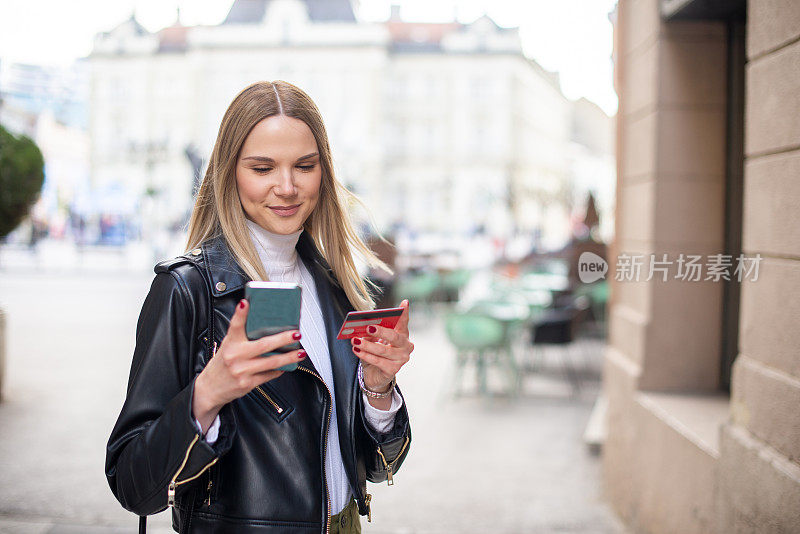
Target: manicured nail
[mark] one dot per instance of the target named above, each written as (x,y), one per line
(356,349)
(356,341)
(296,336)
(371,329)
(301,354)
(241,304)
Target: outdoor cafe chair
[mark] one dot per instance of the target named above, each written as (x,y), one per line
(558,327)
(485,340)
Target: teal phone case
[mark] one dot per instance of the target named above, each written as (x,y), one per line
(274,308)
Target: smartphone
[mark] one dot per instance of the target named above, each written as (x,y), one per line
(274,308)
(356,322)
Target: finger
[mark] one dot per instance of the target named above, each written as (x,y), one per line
(268,363)
(387,367)
(275,341)
(384,351)
(236,329)
(398,339)
(372,338)
(402,323)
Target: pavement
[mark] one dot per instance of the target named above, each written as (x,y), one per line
(477,464)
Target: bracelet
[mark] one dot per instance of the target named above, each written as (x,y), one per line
(368,392)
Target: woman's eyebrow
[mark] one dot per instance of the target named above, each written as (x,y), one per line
(265,159)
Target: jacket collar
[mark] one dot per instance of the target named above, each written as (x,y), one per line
(226,276)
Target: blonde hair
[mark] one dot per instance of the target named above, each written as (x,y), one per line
(218,210)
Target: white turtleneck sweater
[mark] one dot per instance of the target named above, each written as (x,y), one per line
(282,264)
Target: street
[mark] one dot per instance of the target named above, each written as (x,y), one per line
(476,465)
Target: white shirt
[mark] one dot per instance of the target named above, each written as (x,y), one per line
(282,264)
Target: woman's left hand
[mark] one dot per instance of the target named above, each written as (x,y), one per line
(384,352)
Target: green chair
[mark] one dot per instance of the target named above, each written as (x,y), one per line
(418,288)
(487,339)
(454,281)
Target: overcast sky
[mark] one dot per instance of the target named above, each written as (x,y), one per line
(572,37)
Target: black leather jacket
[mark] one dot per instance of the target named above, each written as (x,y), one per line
(265,473)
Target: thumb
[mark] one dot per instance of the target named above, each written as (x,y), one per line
(402,323)
(236,329)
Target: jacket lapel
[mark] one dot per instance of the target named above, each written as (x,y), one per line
(335,305)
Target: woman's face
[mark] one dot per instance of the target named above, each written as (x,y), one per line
(278,174)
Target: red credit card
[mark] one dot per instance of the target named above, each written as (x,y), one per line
(356,322)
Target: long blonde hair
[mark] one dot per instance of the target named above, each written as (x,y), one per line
(218,210)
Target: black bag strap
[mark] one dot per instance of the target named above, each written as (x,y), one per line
(210,329)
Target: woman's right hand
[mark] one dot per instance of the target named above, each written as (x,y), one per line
(238,367)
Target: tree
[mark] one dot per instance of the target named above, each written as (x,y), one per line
(21,178)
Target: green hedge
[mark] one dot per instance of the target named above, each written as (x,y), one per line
(21,178)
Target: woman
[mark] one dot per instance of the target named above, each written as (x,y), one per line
(209,427)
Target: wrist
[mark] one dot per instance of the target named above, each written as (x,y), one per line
(374,392)
(380,404)
(204,408)
(386,387)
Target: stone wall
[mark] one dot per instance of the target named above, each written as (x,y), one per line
(683,456)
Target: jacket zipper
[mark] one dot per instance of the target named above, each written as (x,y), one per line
(269,399)
(174,483)
(390,466)
(208,490)
(325,446)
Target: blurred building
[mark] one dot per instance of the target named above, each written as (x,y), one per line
(439,127)
(49,105)
(703,378)
(30,90)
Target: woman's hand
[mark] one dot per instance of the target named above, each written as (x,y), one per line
(237,367)
(382,354)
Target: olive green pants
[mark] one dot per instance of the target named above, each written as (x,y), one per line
(347,521)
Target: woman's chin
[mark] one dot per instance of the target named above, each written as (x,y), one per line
(283,225)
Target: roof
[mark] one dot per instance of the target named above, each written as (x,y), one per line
(420,32)
(132,23)
(253,11)
(137,28)
(172,39)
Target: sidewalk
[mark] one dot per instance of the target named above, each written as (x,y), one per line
(476,465)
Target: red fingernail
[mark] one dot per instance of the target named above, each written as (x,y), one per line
(241,304)
(356,341)
(296,335)
(371,329)
(356,349)
(301,355)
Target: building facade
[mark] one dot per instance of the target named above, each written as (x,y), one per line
(436,126)
(703,378)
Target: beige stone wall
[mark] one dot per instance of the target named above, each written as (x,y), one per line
(670,200)
(760,465)
(681,456)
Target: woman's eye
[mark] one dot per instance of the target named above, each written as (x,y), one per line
(261,169)
(306,168)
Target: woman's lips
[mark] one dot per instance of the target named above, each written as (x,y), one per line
(285,211)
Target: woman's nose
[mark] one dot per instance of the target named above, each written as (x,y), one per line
(285,186)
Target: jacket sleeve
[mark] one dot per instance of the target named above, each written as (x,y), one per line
(155,442)
(385,452)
